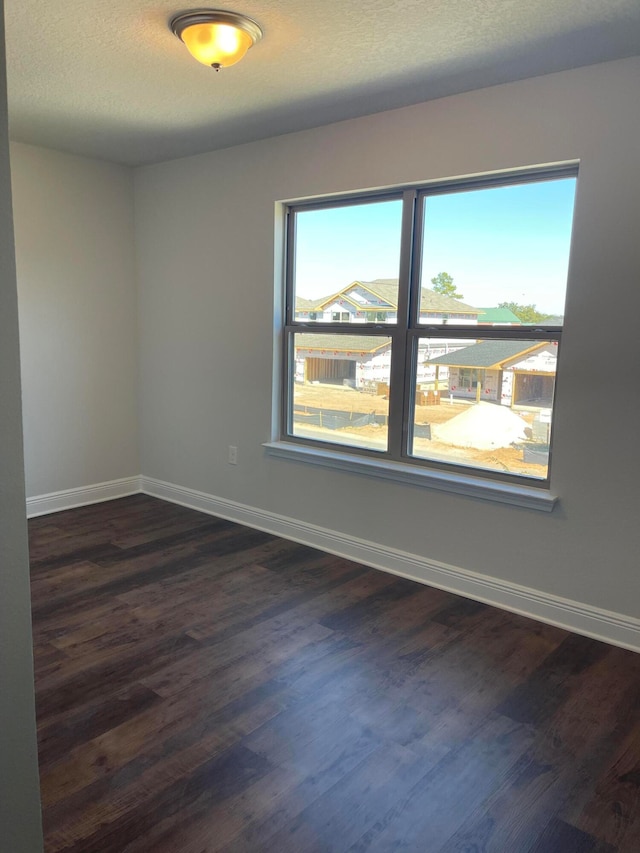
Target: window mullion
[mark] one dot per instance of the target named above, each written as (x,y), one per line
(399,386)
(290,268)
(436,341)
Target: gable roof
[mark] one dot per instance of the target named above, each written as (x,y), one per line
(487,354)
(303,304)
(341,343)
(430,301)
(386,289)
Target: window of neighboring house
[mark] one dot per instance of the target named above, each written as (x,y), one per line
(468,377)
(427,390)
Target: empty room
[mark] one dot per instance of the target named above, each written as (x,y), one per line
(319,471)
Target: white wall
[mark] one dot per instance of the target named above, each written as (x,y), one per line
(205,240)
(20,828)
(76,288)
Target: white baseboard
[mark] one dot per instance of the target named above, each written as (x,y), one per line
(82,496)
(605,625)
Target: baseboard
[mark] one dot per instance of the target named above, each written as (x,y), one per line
(605,625)
(81,496)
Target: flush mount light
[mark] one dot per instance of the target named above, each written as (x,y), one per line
(216,38)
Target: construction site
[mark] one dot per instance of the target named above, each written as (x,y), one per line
(481,434)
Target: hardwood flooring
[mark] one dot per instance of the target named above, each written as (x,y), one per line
(205,687)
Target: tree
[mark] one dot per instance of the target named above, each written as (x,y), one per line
(525,313)
(443,283)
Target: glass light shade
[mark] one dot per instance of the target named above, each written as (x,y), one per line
(216,45)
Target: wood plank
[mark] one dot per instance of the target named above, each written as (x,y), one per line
(424,817)
(206,688)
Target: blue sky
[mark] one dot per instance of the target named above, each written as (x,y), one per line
(503,244)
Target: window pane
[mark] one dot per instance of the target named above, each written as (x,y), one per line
(485,404)
(497,255)
(341,389)
(346,263)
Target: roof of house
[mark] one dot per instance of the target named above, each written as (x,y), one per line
(386,289)
(341,343)
(303,304)
(487,354)
(499,315)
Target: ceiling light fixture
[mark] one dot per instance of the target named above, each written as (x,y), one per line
(214,37)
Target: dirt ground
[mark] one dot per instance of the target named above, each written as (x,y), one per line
(507,459)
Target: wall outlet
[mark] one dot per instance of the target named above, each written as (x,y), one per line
(233,455)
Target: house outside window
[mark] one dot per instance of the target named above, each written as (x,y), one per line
(438,387)
(468,377)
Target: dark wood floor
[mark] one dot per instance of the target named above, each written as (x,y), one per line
(205,687)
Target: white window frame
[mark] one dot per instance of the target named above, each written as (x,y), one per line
(396,463)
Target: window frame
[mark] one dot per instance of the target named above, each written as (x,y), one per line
(473,382)
(406,331)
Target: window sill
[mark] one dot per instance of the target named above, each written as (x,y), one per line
(461,484)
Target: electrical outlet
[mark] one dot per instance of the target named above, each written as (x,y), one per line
(233,455)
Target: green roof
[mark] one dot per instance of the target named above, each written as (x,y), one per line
(499,315)
(485,354)
(343,343)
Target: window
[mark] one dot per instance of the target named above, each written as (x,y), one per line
(468,377)
(445,384)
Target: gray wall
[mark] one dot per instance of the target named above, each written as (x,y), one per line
(209,279)
(209,283)
(20,830)
(76,290)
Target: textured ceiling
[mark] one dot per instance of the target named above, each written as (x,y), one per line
(107,78)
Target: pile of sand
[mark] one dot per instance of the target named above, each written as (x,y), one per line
(484,426)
